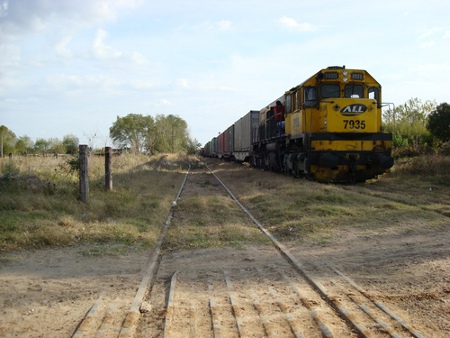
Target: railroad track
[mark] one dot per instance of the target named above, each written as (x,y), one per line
(266,292)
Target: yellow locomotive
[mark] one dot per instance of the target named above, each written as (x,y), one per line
(331,130)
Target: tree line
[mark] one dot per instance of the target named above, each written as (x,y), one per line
(135,133)
(162,134)
(413,124)
(24,145)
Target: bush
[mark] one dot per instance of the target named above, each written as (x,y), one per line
(426,165)
(412,151)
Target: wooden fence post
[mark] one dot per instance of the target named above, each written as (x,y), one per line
(108,173)
(84,178)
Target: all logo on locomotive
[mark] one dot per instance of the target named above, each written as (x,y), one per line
(328,129)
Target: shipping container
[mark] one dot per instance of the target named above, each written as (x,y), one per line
(243,133)
(229,142)
(221,145)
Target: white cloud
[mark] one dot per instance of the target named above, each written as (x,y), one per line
(428,32)
(22,11)
(428,37)
(101,50)
(29,17)
(10,56)
(224,25)
(138,84)
(427,44)
(61,47)
(183,83)
(295,25)
(3,8)
(210,27)
(87,81)
(109,9)
(138,58)
(164,102)
(204,82)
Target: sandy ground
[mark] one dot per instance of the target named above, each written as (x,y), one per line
(406,269)
(47,293)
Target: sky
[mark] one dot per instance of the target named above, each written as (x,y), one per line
(73,67)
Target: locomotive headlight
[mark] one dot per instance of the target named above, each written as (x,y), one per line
(344,73)
(345,79)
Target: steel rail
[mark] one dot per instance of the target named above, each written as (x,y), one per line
(133,315)
(342,311)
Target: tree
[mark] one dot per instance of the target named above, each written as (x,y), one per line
(41,145)
(408,121)
(439,122)
(193,146)
(7,140)
(131,131)
(71,143)
(24,145)
(56,146)
(170,134)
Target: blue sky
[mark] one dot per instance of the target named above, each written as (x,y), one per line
(72,67)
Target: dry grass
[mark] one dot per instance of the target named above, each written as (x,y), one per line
(301,210)
(433,168)
(204,221)
(39,205)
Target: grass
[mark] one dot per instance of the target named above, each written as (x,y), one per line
(204,221)
(434,168)
(39,205)
(300,210)
(34,216)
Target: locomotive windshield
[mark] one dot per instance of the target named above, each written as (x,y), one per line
(310,96)
(374,93)
(353,91)
(329,90)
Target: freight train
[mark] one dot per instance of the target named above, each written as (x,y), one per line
(327,129)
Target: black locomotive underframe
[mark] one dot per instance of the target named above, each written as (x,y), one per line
(295,155)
